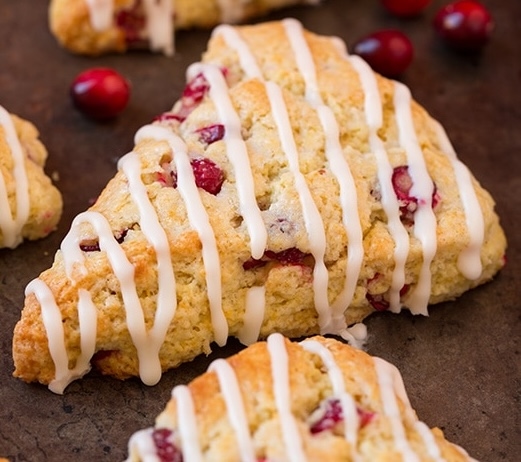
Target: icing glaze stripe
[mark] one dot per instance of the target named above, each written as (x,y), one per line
(187,424)
(469,260)
(422,188)
(199,220)
(253,315)
(281,390)
(235,407)
(12,226)
(238,155)
(374,119)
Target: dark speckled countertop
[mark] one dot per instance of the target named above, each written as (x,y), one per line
(461,365)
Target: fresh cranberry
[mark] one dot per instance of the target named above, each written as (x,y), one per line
(402,184)
(211,134)
(132,21)
(166,450)
(100,93)
(332,415)
(208,175)
(405,8)
(389,52)
(465,25)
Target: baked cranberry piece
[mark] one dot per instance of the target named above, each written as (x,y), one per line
(212,133)
(402,184)
(208,175)
(166,450)
(132,21)
(192,95)
(100,92)
(332,415)
(92,245)
(379,301)
(288,257)
(389,52)
(405,8)
(465,25)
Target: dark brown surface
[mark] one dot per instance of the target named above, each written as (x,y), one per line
(461,365)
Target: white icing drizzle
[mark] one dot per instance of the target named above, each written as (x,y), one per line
(350,413)
(159,15)
(235,407)
(281,390)
(339,167)
(238,155)
(422,188)
(199,220)
(142,443)
(10,226)
(391,387)
(187,424)
(52,321)
(469,260)
(374,119)
(253,315)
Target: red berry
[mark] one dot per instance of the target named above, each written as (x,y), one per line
(465,25)
(133,22)
(211,134)
(405,8)
(165,449)
(208,175)
(100,93)
(388,52)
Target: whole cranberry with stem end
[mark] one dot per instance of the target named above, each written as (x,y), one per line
(100,93)
(465,25)
(389,52)
(405,8)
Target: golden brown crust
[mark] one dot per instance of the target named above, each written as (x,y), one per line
(45,202)
(310,387)
(290,307)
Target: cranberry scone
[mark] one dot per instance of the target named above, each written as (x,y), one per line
(30,205)
(95,27)
(289,190)
(319,399)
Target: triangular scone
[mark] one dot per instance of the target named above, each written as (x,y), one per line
(95,27)
(318,399)
(290,190)
(30,206)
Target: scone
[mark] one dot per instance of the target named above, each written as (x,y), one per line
(281,401)
(94,27)
(30,205)
(289,190)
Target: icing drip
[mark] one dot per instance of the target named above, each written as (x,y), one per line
(12,227)
(281,391)
(199,220)
(253,315)
(159,15)
(374,119)
(187,424)
(235,407)
(469,260)
(237,154)
(422,188)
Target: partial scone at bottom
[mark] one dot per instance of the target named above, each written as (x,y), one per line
(115,26)
(30,205)
(280,401)
(289,190)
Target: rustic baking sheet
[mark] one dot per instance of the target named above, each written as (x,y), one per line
(461,365)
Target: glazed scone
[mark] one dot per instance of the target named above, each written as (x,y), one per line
(279,195)
(95,27)
(30,205)
(280,401)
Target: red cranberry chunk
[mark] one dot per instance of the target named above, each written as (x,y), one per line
(366,417)
(389,52)
(166,450)
(132,21)
(377,301)
(292,256)
(208,175)
(252,263)
(212,133)
(92,245)
(405,8)
(100,92)
(464,25)
(333,415)
(168,116)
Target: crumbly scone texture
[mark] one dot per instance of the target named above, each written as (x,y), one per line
(71,25)
(45,201)
(310,388)
(289,293)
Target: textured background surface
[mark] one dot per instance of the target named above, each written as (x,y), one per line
(461,365)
